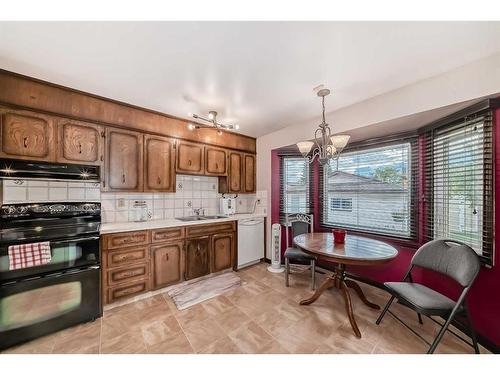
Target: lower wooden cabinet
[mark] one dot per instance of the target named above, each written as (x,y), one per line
(197,257)
(166,264)
(222,251)
(139,261)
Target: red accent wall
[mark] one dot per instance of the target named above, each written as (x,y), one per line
(484,300)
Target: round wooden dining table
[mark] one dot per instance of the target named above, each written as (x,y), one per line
(357,250)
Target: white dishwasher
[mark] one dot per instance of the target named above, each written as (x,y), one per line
(250,241)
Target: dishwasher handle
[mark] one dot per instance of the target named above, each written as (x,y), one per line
(250,222)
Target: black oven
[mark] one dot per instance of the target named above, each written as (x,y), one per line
(65,291)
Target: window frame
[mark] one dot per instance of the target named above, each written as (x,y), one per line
(413,167)
(309,206)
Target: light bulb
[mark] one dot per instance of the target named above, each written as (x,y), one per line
(211,115)
(305,147)
(236,126)
(191,126)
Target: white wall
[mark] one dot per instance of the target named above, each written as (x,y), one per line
(475,80)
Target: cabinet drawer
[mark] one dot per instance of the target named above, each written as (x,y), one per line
(128,273)
(202,230)
(119,240)
(127,290)
(167,234)
(123,257)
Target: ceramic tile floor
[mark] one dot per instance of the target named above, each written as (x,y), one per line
(262,316)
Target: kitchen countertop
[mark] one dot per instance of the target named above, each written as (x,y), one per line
(108,228)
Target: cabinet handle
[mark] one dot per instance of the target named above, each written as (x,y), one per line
(159,180)
(217,166)
(123,178)
(79,148)
(25,142)
(190,162)
(166,257)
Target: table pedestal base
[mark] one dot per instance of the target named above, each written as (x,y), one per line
(339,281)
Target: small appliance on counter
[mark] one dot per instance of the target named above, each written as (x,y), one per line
(140,212)
(227,206)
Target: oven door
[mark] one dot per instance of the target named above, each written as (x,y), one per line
(36,307)
(65,254)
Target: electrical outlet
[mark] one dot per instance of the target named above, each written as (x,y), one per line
(258,201)
(120,203)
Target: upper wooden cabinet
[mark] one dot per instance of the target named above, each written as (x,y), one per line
(215,161)
(159,163)
(124,160)
(166,263)
(190,158)
(235,169)
(27,135)
(80,142)
(249,185)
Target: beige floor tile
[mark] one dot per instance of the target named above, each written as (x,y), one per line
(218,305)
(203,333)
(42,345)
(127,343)
(250,338)
(158,331)
(222,346)
(296,344)
(177,344)
(274,347)
(274,322)
(192,315)
(231,319)
(84,338)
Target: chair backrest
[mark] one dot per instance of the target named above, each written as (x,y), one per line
(298,224)
(449,257)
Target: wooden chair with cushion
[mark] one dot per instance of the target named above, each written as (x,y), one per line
(298,224)
(449,257)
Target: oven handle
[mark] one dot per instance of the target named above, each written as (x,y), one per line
(76,240)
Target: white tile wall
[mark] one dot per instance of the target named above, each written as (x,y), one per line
(191,192)
(24,190)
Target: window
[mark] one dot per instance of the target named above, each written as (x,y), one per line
(459,187)
(295,186)
(372,190)
(341,204)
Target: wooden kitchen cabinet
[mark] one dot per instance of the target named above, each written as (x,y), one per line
(159,164)
(197,257)
(27,135)
(166,264)
(80,142)
(232,184)
(249,185)
(222,252)
(190,158)
(124,160)
(215,161)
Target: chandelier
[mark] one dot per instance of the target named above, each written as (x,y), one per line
(328,147)
(212,123)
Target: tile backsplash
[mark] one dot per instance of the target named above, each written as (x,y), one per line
(191,192)
(25,190)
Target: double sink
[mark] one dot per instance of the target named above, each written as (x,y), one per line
(201,217)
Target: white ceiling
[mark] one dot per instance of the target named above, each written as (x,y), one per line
(257,74)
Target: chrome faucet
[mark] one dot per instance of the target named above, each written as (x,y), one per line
(198,211)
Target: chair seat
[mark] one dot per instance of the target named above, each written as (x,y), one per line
(297,254)
(421,296)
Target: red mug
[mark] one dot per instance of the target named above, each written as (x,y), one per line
(338,235)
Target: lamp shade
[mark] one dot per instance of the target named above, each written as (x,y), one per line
(340,141)
(305,147)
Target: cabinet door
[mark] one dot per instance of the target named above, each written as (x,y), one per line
(215,161)
(80,143)
(159,163)
(166,263)
(249,174)
(27,135)
(222,251)
(197,257)
(124,169)
(235,169)
(190,158)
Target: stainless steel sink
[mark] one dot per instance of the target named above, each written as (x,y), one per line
(197,218)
